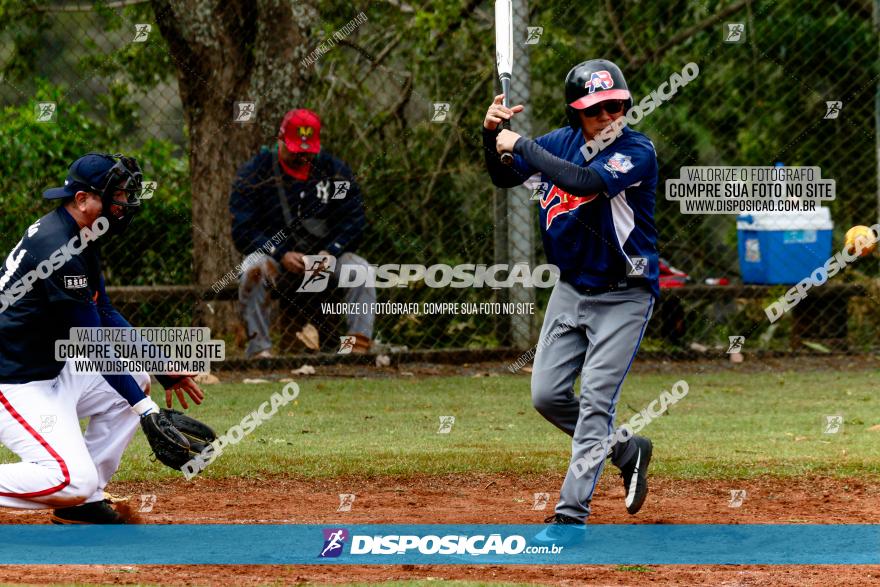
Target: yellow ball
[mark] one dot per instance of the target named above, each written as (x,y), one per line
(860,240)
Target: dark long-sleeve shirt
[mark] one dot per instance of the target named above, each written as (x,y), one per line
(34,313)
(326,211)
(576,180)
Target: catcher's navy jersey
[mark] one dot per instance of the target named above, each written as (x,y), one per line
(602,239)
(32,308)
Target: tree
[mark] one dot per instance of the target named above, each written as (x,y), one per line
(228,52)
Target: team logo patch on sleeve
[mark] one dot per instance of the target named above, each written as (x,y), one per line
(75,282)
(618,163)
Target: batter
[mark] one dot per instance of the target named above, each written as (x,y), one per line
(597,225)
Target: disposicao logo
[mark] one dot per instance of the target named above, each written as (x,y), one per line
(334,541)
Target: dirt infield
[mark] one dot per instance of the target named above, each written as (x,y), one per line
(476,499)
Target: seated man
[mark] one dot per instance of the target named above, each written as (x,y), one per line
(290,201)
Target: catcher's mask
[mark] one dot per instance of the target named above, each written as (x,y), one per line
(591,82)
(108,176)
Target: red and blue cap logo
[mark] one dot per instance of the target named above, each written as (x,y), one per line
(599,80)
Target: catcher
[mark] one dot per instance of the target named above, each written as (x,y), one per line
(52,282)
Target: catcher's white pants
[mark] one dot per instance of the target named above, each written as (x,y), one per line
(39,421)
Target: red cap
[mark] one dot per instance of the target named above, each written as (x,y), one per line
(301,131)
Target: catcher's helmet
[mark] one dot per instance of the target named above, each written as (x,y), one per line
(105,175)
(592,82)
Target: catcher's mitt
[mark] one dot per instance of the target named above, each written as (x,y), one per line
(175,437)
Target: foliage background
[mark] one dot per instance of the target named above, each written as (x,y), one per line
(429,199)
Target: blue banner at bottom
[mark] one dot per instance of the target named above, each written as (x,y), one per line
(229,544)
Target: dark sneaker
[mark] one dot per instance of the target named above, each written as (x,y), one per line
(97,512)
(635,475)
(563,530)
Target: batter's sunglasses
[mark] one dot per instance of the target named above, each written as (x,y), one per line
(610,106)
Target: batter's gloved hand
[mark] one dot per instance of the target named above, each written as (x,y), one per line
(174,437)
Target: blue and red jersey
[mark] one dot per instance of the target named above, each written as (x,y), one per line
(598,240)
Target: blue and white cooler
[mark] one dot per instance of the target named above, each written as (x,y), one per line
(782,247)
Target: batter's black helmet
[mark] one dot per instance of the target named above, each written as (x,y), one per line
(592,82)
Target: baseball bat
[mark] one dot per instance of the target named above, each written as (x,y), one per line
(504,56)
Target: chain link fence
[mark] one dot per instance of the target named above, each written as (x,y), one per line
(401,92)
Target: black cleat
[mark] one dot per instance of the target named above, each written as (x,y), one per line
(635,475)
(97,512)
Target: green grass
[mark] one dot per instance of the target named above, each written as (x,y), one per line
(633,569)
(728,426)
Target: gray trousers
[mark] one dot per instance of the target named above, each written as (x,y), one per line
(258,275)
(597,337)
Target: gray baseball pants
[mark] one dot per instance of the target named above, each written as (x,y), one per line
(260,270)
(596,336)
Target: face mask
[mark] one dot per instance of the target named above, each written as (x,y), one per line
(300,171)
(124,176)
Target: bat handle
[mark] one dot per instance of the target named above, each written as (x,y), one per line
(506,157)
